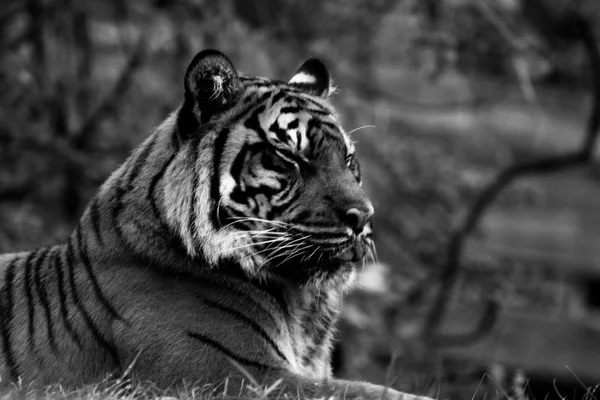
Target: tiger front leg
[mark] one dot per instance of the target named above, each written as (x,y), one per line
(300,387)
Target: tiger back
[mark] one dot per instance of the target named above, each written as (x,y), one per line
(224,243)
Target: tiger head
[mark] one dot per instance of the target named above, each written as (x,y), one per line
(275,183)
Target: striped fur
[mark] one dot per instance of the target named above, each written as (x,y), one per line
(225,236)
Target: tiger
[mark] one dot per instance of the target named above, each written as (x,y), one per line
(219,250)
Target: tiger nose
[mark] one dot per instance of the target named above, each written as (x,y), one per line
(357,218)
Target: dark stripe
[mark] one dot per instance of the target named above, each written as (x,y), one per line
(233,271)
(58,265)
(303,98)
(278,96)
(166,229)
(316,140)
(152,198)
(281,133)
(290,110)
(296,92)
(321,113)
(263,97)
(241,317)
(140,161)
(215,183)
(333,127)
(116,211)
(294,124)
(173,240)
(316,124)
(175,140)
(288,203)
(238,163)
(95,219)
(253,123)
(252,79)
(227,352)
(43,296)
(6,317)
(135,166)
(319,336)
(192,212)
(291,209)
(82,251)
(29,296)
(233,282)
(115,214)
(77,301)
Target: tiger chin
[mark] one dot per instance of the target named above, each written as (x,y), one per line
(224,243)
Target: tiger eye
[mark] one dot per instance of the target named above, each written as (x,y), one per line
(354,166)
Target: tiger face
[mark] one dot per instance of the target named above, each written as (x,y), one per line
(286,184)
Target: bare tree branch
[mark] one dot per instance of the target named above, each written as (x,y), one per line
(488,195)
(81,139)
(486,323)
(112,100)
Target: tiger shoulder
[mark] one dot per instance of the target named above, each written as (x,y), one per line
(223,243)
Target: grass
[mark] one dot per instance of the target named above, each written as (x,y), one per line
(130,389)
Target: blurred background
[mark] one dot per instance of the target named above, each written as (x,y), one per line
(443,95)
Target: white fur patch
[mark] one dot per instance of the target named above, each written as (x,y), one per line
(218,81)
(303,77)
(297,138)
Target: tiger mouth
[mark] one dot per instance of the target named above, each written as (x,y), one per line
(352,251)
(357,251)
(351,254)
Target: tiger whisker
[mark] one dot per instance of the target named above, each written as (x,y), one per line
(279,249)
(254,219)
(361,127)
(259,233)
(266,233)
(294,252)
(290,255)
(373,249)
(292,244)
(274,231)
(321,230)
(218,208)
(254,244)
(266,261)
(282,249)
(308,257)
(257,252)
(319,259)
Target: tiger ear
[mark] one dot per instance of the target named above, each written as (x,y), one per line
(313,77)
(211,84)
